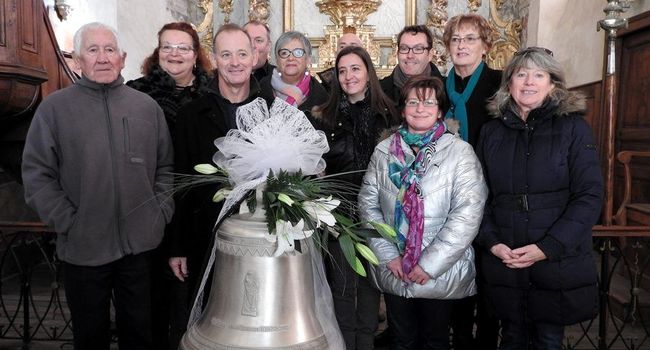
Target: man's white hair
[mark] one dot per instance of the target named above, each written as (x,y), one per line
(78,36)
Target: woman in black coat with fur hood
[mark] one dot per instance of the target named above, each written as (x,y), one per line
(546,192)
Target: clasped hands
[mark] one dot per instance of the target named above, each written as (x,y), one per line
(417,274)
(519,258)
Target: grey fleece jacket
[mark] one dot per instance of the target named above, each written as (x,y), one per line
(97,168)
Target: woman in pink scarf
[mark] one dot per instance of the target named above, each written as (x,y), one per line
(291,80)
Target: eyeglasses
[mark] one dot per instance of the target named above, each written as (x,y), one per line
(534,49)
(182,48)
(297,53)
(469,40)
(426,103)
(416,50)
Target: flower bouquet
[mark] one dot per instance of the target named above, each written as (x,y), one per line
(277,154)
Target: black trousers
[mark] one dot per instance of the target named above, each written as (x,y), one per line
(88,291)
(356,301)
(418,324)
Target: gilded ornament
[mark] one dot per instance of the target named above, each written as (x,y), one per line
(258,10)
(204,29)
(350,13)
(226,9)
(436,20)
(474,5)
(507,37)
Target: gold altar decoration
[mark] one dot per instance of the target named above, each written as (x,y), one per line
(349,16)
(204,29)
(436,20)
(226,9)
(473,5)
(348,13)
(258,10)
(507,37)
(411,13)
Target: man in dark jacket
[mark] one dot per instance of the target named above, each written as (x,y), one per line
(97,168)
(414,54)
(260,34)
(199,123)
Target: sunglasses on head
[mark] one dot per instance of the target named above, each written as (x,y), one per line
(534,49)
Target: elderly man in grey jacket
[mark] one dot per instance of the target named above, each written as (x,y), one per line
(97,168)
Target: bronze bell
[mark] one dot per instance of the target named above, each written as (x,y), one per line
(257,301)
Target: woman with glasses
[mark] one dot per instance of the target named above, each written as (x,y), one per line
(427,184)
(353,119)
(469,85)
(177,71)
(174,74)
(291,80)
(546,190)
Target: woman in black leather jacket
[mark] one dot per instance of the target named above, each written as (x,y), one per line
(354,118)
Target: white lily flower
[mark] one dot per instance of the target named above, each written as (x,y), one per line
(207,169)
(285,199)
(321,210)
(285,234)
(221,195)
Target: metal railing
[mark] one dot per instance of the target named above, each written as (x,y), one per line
(32,302)
(33,308)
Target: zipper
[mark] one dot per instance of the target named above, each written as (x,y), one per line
(116,175)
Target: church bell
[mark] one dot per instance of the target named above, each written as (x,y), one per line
(257,301)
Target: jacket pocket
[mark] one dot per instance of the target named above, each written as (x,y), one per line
(138,140)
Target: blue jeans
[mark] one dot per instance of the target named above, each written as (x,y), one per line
(531,336)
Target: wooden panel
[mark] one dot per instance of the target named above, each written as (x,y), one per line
(633,103)
(28,26)
(3,24)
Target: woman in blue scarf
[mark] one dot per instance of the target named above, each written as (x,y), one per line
(469,85)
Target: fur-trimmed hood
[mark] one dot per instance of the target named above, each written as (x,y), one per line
(566,102)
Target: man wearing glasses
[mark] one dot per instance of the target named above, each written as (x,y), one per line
(414,56)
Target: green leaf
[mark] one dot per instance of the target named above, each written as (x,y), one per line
(366,233)
(367,253)
(358,267)
(347,246)
(343,220)
(384,230)
(251,203)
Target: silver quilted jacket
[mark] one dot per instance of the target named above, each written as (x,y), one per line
(454,195)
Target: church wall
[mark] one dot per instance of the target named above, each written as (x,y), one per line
(568,28)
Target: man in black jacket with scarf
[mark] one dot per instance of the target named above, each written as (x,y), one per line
(414,54)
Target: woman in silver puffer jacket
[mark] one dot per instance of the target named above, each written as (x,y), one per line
(427,183)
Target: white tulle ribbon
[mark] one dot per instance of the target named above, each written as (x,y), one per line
(265,140)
